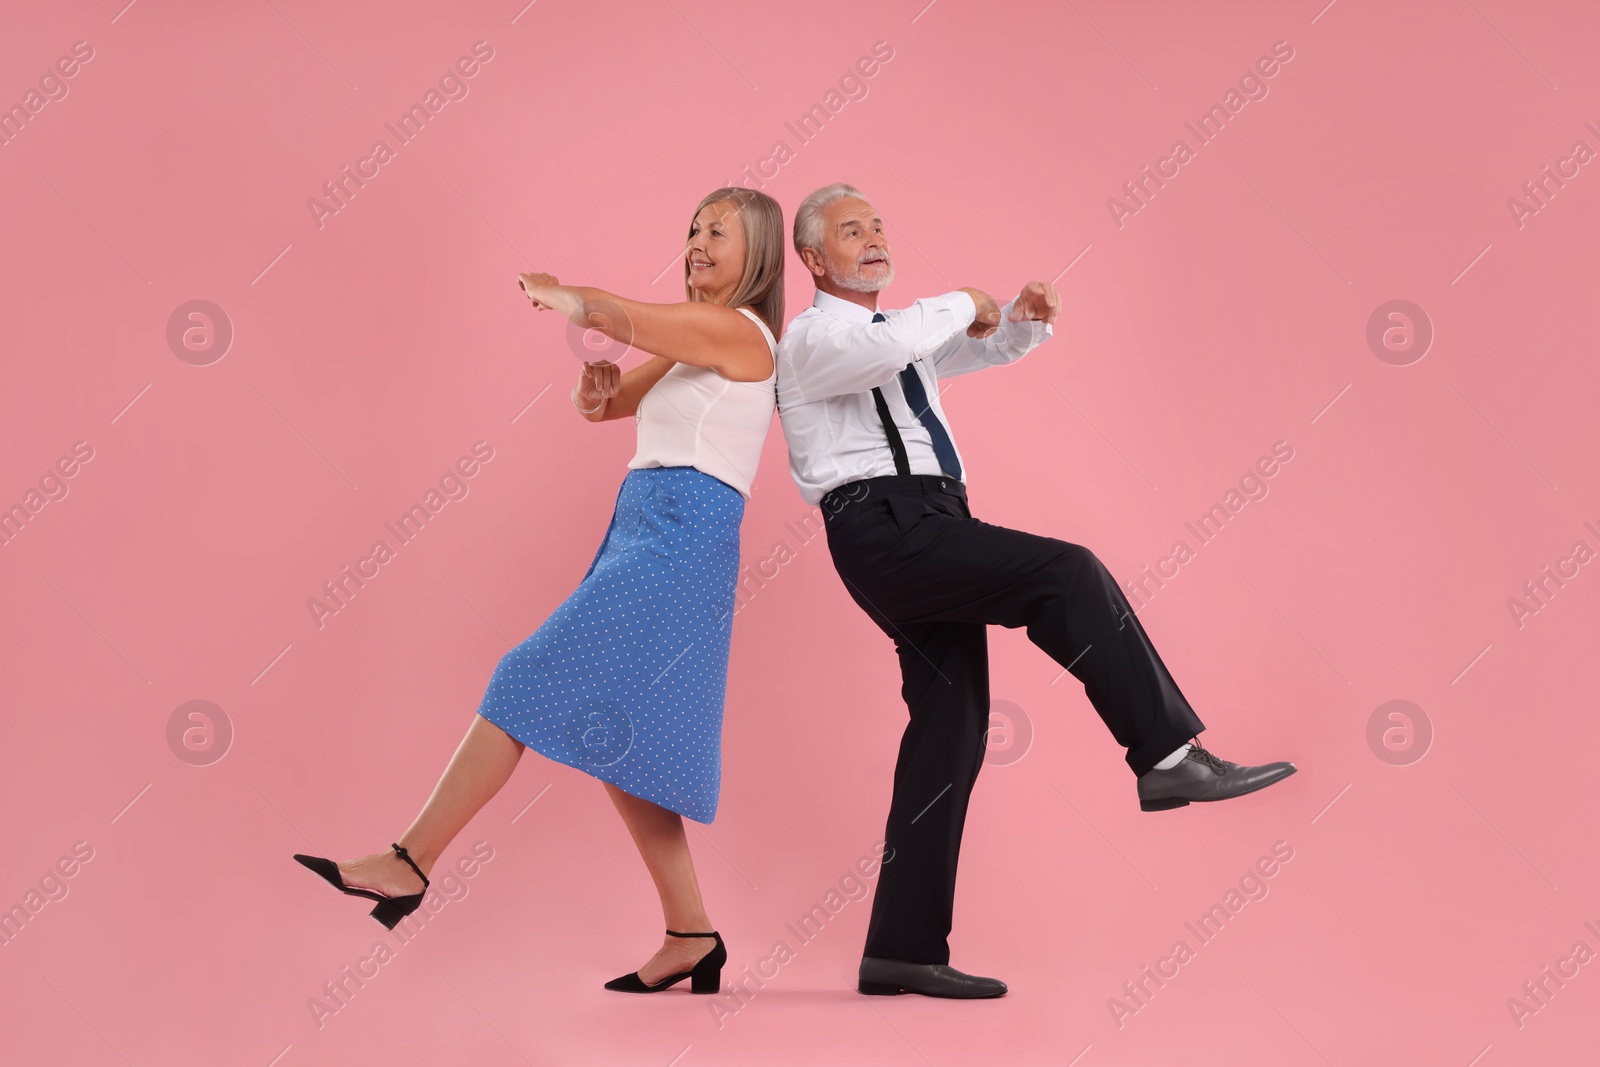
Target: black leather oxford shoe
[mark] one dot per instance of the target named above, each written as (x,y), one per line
(889,978)
(1200,776)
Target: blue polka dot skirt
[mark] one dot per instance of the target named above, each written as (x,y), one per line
(626,679)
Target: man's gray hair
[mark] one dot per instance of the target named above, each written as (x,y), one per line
(808,217)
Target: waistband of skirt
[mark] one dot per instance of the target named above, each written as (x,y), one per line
(682,473)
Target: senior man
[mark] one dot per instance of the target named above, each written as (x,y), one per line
(858,395)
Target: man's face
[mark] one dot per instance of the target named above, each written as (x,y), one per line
(855,250)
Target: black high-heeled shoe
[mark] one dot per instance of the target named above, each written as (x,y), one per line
(390,910)
(704,977)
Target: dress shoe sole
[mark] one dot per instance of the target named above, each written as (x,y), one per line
(1168,803)
(888,989)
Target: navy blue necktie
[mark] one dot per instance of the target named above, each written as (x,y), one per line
(917,397)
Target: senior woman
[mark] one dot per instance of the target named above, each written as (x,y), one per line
(626,679)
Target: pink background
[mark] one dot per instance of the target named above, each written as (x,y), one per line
(1229,313)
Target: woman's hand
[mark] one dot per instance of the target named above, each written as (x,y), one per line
(537,286)
(600,381)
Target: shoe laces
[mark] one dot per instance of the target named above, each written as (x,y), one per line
(1200,755)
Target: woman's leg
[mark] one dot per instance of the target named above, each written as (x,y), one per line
(482,764)
(659,835)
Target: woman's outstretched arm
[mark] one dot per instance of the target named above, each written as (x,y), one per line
(701,333)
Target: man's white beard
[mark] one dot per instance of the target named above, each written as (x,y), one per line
(856,282)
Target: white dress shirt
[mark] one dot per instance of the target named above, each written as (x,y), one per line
(833,355)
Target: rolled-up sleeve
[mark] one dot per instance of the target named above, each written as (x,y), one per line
(823,356)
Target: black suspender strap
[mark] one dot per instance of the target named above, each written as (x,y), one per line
(892,432)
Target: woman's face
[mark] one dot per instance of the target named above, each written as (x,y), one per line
(716,250)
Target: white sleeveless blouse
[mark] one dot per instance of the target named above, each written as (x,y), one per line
(694,417)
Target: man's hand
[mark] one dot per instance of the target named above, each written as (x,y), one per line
(987,319)
(1038,301)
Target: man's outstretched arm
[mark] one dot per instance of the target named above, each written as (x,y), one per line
(1025,323)
(824,357)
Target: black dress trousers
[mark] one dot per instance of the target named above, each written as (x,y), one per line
(933,578)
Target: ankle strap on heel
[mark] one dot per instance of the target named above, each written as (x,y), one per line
(400,851)
(674,933)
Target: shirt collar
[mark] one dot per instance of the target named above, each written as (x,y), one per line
(840,308)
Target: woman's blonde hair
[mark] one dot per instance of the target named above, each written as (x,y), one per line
(761,286)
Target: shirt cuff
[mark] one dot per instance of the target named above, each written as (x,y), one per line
(963,304)
(1023,331)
